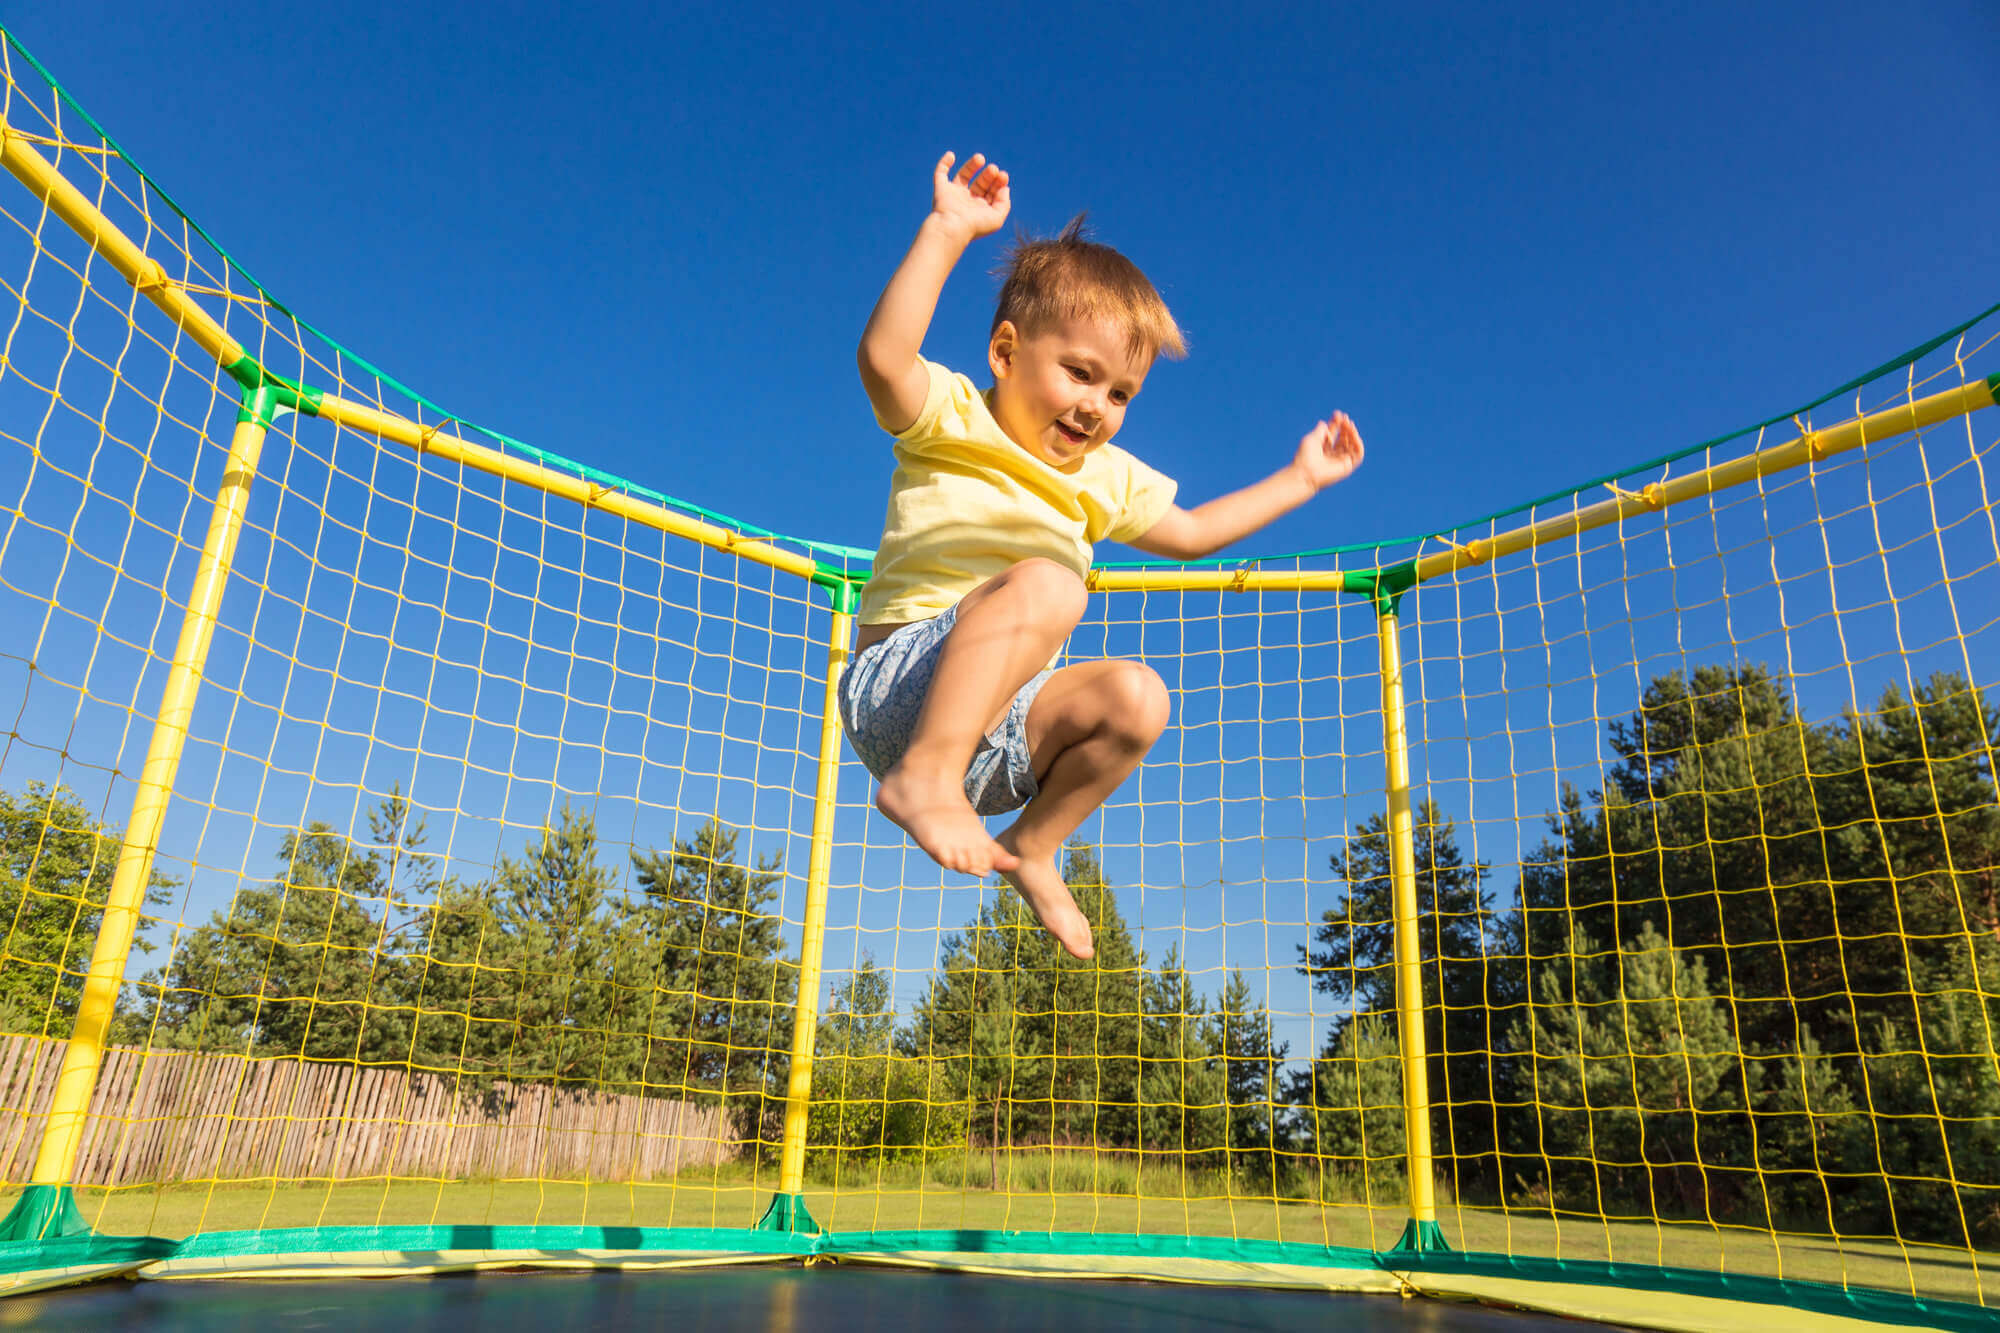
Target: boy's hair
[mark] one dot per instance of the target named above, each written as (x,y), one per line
(1071,277)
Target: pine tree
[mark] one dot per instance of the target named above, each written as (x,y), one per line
(1819,874)
(1813,1146)
(1259,1125)
(720,1012)
(1352,1095)
(869,1100)
(851,1055)
(1465,979)
(1638,1084)
(292,967)
(1038,1044)
(1932,1088)
(1182,1083)
(552,905)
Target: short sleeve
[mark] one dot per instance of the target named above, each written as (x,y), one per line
(1148,495)
(941,404)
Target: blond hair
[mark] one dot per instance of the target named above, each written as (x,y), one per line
(1048,282)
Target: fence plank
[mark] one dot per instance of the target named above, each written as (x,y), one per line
(164,1115)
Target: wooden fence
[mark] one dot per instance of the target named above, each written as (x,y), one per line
(180,1115)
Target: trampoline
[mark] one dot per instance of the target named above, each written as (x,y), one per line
(753,1300)
(524,938)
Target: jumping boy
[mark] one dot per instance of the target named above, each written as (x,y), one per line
(995,504)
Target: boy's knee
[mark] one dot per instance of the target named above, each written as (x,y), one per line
(1054,589)
(1139,708)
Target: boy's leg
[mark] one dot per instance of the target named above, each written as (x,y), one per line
(1088,729)
(1006,631)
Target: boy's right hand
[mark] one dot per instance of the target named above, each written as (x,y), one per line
(974,202)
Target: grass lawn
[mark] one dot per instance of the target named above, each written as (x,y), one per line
(736,1197)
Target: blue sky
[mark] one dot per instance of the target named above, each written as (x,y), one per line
(1520,249)
(1517,246)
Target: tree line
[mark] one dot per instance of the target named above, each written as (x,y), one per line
(357,950)
(1755,978)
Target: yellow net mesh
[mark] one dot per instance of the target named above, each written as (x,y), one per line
(480,895)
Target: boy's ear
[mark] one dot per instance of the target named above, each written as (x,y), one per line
(1000,349)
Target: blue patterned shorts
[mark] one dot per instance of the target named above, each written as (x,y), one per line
(883,691)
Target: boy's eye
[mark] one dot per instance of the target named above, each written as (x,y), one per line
(1119,396)
(1078,373)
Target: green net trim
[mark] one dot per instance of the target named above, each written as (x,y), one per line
(45,1230)
(418,1243)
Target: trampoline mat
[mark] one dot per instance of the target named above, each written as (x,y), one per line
(782,1299)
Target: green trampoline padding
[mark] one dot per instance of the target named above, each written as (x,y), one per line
(1632,1295)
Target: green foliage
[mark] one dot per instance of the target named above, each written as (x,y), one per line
(1932,1085)
(716,987)
(1042,1047)
(1829,924)
(1466,988)
(304,965)
(1183,1082)
(1755,979)
(870,1102)
(56,867)
(1638,1080)
(1352,1095)
(1036,1048)
(1260,1124)
(1356,937)
(543,974)
(1806,1134)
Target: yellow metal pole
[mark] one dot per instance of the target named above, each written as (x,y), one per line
(85,1052)
(1409,964)
(1216,580)
(819,870)
(452,447)
(70,204)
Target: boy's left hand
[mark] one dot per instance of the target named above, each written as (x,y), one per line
(1330,451)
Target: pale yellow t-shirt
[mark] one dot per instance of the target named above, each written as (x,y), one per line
(967,502)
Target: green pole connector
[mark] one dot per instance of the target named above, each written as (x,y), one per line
(264,392)
(1385,587)
(788,1213)
(844,588)
(1421,1238)
(44,1212)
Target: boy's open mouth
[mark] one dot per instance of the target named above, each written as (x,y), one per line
(1071,433)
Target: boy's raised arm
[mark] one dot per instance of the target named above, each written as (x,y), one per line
(964,207)
(1329,453)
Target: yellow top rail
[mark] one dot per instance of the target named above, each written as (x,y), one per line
(1811,446)
(19,156)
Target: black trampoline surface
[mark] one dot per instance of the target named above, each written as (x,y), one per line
(778,1299)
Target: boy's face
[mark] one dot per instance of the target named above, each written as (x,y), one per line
(1063,390)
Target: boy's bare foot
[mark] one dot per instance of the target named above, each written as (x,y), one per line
(933,810)
(1042,887)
